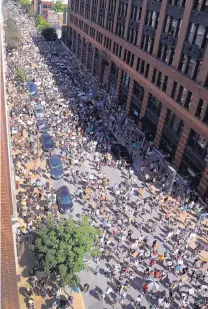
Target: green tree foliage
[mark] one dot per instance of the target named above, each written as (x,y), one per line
(49,34)
(58,7)
(41,23)
(12,34)
(20,75)
(25,4)
(60,249)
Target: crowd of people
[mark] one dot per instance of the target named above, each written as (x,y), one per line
(149,241)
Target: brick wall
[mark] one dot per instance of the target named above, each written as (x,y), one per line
(9,291)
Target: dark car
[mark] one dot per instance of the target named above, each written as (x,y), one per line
(64,200)
(56,167)
(47,141)
(120,152)
(42,125)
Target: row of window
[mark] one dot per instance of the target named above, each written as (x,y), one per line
(197,34)
(188,66)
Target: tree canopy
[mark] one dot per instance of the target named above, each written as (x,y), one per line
(58,7)
(25,3)
(60,249)
(41,23)
(49,34)
(20,75)
(12,33)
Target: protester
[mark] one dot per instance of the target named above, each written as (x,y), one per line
(129,214)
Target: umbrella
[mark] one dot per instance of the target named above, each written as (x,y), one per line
(153,286)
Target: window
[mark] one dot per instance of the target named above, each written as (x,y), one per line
(178,2)
(112,6)
(189,66)
(187,104)
(198,35)
(138,90)
(135,13)
(205,5)
(174,90)
(122,11)
(205,120)
(142,67)
(159,79)
(117,49)
(199,108)
(114,69)
(138,64)
(172,26)
(152,19)
(126,79)
(165,82)
(181,95)
(154,75)
(87,9)
(198,144)
(165,53)
(146,70)
(206,81)
(154,105)
(120,30)
(147,44)
(132,36)
(99,37)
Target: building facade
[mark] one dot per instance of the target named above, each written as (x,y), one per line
(9,276)
(152,55)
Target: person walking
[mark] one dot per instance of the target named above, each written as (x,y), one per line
(86,288)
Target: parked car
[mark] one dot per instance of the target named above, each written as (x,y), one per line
(42,125)
(32,88)
(56,167)
(120,152)
(47,142)
(39,111)
(64,200)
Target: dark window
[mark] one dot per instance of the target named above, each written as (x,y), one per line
(138,90)
(199,108)
(165,82)
(205,120)
(146,70)
(154,75)
(138,64)
(187,103)
(154,105)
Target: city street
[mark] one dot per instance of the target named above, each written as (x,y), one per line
(147,239)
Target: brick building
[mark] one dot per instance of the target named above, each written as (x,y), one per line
(153,56)
(9,291)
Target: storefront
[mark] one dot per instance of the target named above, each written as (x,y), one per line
(135,110)
(123,94)
(149,125)
(169,142)
(192,168)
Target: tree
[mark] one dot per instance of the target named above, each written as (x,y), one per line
(58,7)
(41,23)
(25,4)
(21,76)
(61,248)
(12,34)
(49,34)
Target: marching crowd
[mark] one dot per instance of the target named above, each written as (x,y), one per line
(148,242)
